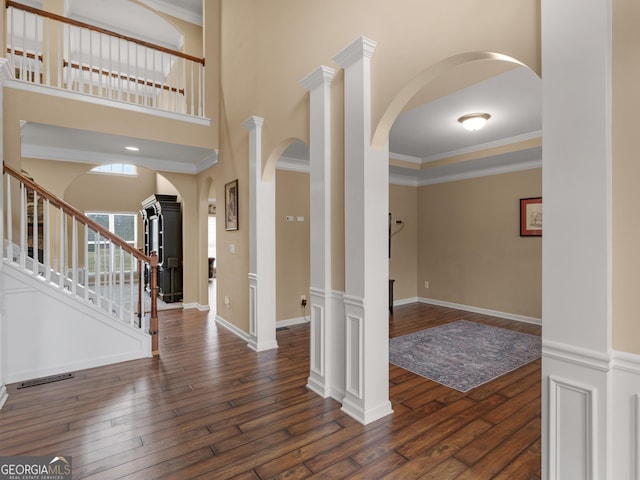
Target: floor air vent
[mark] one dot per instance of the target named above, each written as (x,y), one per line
(279,329)
(43,380)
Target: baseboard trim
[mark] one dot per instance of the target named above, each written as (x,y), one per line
(290,322)
(3,396)
(233,329)
(405,301)
(484,311)
(24,375)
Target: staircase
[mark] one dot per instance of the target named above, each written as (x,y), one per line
(74,293)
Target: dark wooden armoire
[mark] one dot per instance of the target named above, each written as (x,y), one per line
(162,225)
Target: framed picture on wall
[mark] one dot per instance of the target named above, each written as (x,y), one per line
(531,217)
(231,205)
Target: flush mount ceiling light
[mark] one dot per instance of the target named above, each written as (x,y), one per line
(132,149)
(474,121)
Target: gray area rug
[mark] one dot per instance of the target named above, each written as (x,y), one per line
(463,355)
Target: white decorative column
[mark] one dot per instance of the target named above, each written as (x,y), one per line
(5,75)
(366,180)
(262,246)
(576,265)
(326,375)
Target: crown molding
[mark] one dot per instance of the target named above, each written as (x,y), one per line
(403,180)
(405,158)
(293,165)
(208,162)
(175,11)
(485,172)
(483,146)
(95,158)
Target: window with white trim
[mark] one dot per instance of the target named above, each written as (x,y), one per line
(116,169)
(125,226)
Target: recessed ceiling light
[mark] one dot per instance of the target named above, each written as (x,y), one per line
(474,121)
(132,149)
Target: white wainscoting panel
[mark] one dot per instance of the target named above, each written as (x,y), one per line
(625,415)
(575,414)
(571,429)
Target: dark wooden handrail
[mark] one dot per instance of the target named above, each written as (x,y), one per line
(76,23)
(74,212)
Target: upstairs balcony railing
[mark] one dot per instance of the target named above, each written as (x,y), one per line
(56,243)
(48,49)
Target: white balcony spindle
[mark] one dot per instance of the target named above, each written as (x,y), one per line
(201,90)
(109,276)
(63,246)
(132,290)
(98,269)
(23,226)
(87,235)
(35,265)
(12,40)
(74,255)
(9,213)
(46,239)
(24,46)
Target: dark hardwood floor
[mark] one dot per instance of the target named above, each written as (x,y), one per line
(211,408)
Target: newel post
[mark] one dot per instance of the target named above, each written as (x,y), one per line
(153,320)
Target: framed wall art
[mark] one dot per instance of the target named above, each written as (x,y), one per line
(231,205)
(531,217)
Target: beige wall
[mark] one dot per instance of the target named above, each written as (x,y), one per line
(403,264)
(469,245)
(265,49)
(292,244)
(626,172)
(268,47)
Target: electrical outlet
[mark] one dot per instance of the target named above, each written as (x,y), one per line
(303,300)
(227,300)
(426,284)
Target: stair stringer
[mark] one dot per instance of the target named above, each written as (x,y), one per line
(50,331)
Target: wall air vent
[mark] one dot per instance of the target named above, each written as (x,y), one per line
(43,380)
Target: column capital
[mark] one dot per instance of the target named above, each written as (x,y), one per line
(361,47)
(317,78)
(253,123)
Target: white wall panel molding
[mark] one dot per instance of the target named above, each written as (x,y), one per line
(325,334)
(262,232)
(625,416)
(366,196)
(572,430)
(582,357)
(577,308)
(628,362)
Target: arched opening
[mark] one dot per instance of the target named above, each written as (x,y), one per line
(92,194)
(455,176)
(456,194)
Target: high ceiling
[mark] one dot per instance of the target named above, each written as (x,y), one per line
(422,141)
